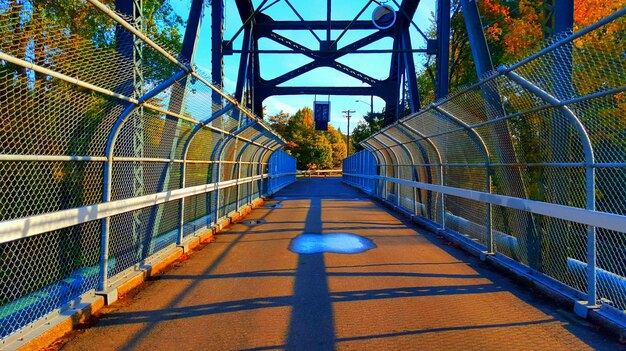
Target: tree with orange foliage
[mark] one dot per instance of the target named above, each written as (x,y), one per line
(313,149)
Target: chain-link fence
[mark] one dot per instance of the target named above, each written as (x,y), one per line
(530,162)
(111,150)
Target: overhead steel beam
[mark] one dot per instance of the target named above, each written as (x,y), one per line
(332,54)
(327,52)
(290,44)
(244,62)
(392,102)
(323,91)
(354,73)
(364,41)
(316,25)
(255,78)
(293,73)
(388,89)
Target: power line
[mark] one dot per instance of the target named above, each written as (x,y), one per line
(347,115)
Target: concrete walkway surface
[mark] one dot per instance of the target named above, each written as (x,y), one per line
(248,291)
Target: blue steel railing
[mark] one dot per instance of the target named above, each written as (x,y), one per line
(529,163)
(282,170)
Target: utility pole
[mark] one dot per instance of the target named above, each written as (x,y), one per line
(348,112)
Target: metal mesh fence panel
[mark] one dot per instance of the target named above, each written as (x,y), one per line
(41,273)
(112,149)
(530,161)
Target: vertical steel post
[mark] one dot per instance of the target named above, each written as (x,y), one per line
(478,43)
(408,64)
(589,173)
(218,171)
(591,236)
(412,160)
(217,37)
(183,170)
(425,156)
(442,204)
(238,190)
(181,203)
(179,94)
(132,9)
(489,224)
(328,19)
(217,191)
(443,48)
(108,170)
(262,188)
(138,125)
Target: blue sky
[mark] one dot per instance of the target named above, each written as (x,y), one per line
(273,65)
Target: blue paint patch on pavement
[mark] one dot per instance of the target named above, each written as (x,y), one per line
(344,243)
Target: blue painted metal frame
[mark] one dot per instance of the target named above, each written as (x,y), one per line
(443,49)
(217,37)
(258,25)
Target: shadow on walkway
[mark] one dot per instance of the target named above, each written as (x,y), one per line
(248,291)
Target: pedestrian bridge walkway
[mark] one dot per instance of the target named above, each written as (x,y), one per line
(118,155)
(248,291)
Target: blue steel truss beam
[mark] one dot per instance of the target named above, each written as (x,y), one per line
(317,25)
(478,42)
(443,49)
(192,31)
(244,64)
(262,26)
(408,8)
(217,36)
(323,59)
(245,8)
(411,76)
(392,104)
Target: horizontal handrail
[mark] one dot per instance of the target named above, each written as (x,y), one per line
(38,224)
(319,171)
(597,219)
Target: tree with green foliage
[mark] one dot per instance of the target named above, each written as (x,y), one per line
(42,115)
(372,122)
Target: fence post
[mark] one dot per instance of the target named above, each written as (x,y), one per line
(108,171)
(478,140)
(439,168)
(590,183)
(238,190)
(181,204)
